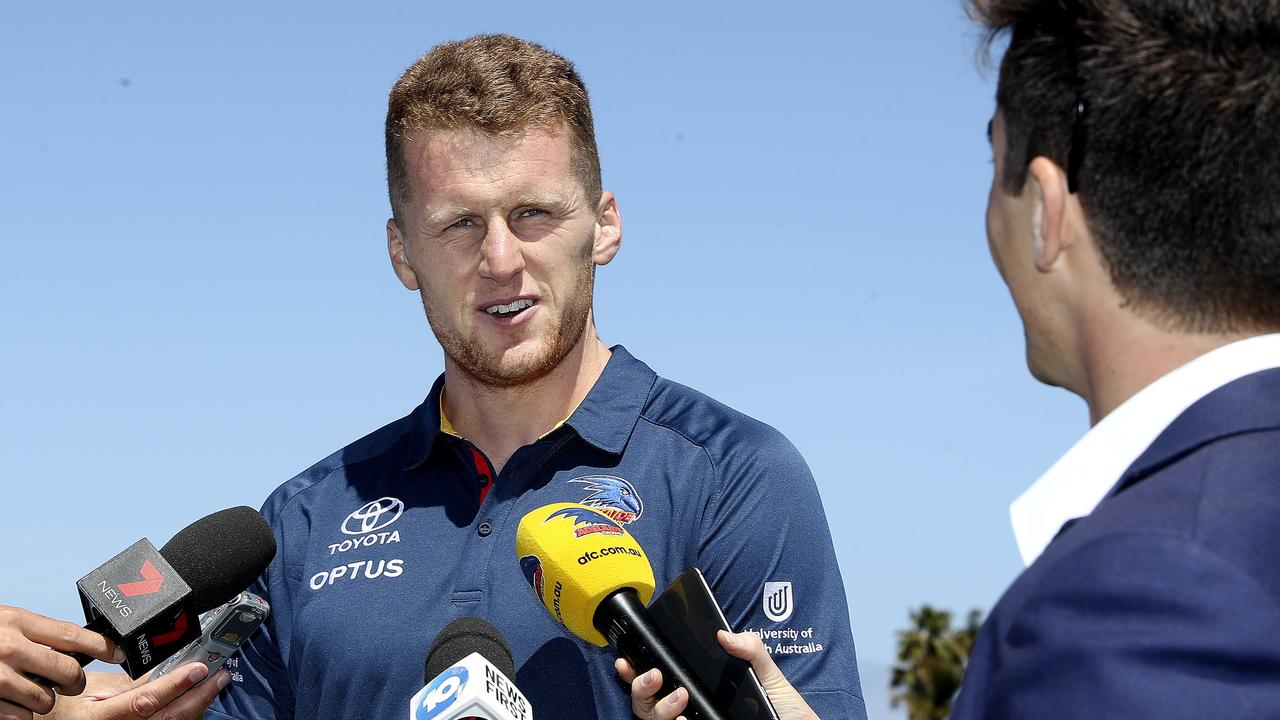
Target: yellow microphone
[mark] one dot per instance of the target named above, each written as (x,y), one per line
(575,556)
(594,578)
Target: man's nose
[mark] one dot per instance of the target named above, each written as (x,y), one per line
(501,254)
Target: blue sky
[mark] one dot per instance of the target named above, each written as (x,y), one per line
(196,301)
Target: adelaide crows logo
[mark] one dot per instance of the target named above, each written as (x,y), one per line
(614,497)
(532,568)
(587,522)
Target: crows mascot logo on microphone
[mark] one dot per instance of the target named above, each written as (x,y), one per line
(532,568)
(587,521)
(612,496)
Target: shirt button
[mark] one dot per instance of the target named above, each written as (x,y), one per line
(485,529)
(484,480)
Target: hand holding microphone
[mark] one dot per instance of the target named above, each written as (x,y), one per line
(594,578)
(148,602)
(786,700)
(182,695)
(32,644)
(141,606)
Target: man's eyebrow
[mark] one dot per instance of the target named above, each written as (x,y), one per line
(448,212)
(545,199)
(989,125)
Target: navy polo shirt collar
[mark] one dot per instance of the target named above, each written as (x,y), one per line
(424,427)
(609,413)
(605,418)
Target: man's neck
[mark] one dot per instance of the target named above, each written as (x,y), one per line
(1123,358)
(501,420)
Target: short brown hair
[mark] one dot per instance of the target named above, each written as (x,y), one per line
(1178,147)
(498,85)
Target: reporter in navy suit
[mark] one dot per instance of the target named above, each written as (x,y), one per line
(1135,216)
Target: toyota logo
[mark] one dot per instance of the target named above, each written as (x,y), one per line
(373,516)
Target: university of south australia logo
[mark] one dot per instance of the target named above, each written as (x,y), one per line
(373,516)
(778,602)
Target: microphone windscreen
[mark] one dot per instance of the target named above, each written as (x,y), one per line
(575,556)
(464,636)
(221,554)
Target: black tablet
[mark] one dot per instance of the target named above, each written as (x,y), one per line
(688,614)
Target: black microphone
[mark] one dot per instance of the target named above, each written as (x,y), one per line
(469,673)
(148,602)
(625,621)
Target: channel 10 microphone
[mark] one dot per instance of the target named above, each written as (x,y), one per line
(148,602)
(468,675)
(594,578)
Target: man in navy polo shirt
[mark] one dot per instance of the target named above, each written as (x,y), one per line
(499,221)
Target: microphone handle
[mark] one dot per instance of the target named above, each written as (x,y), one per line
(624,620)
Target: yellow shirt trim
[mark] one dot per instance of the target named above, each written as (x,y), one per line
(447,427)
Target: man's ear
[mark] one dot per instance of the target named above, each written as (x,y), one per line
(1049,196)
(399,262)
(608,233)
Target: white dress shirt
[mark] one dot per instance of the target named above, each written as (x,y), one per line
(1075,484)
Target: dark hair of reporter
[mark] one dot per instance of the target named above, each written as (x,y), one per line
(1173,109)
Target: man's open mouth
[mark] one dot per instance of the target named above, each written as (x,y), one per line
(514,308)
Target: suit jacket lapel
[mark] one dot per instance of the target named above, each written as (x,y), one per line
(1248,404)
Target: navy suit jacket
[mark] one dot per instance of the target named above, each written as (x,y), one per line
(1164,602)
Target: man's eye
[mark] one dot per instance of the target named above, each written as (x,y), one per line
(463,223)
(532,212)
